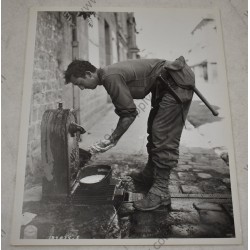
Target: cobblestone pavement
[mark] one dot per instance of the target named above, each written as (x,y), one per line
(201,198)
(200,190)
(207,213)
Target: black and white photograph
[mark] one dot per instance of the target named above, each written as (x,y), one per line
(126,126)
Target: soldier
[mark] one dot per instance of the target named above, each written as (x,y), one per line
(169,82)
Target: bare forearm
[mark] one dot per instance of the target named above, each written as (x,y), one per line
(122,126)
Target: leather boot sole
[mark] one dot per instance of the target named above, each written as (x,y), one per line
(163,203)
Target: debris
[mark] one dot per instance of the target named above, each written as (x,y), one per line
(30,232)
(27,218)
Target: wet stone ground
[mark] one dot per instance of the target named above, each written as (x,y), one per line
(199,172)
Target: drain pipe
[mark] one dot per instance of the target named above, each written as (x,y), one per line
(75,55)
(117,37)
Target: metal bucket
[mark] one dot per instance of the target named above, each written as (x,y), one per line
(96,170)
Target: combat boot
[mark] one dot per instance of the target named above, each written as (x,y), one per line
(141,178)
(152,202)
(158,194)
(145,177)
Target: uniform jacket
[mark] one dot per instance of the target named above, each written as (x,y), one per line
(128,80)
(134,79)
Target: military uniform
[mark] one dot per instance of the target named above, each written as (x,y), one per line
(134,79)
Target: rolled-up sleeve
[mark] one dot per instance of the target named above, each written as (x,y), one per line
(120,95)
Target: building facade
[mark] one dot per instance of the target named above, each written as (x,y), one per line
(203,56)
(102,39)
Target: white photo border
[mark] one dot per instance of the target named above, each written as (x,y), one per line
(21,163)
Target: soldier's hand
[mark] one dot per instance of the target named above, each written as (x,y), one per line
(101,146)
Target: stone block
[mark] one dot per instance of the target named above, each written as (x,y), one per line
(35,146)
(194,231)
(182,162)
(38,99)
(181,205)
(174,183)
(37,87)
(38,131)
(218,163)
(176,218)
(125,226)
(59,95)
(191,189)
(38,74)
(204,175)
(186,176)
(47,87)
(214,217)
(207,206)
(222,189)
(50,97)
(50,106)
(204,168)
(41,111)
(200,158)
(146,224)
(184,167)
(174,189)
(34,114)
(48,33)
(213,187)
(52,75)
(173,176)
(57,85)
(126,209)
(181,231)
(187,154)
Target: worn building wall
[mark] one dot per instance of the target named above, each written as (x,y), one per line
(122,36)
(52,54)
(96,102)
(110,20)
(203,56)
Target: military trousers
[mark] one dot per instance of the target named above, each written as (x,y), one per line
(165,125)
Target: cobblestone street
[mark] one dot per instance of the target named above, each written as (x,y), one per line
(200,192)
(200,185)
(201,198)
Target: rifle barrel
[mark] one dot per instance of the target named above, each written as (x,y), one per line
(198,93)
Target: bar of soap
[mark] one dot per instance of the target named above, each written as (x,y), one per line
(92,178)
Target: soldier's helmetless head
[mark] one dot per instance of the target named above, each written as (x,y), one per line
(82,74)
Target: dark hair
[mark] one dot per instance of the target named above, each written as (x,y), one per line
(78,68)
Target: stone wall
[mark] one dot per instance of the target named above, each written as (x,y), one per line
(52,53)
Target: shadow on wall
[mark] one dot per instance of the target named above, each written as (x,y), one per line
(199,114)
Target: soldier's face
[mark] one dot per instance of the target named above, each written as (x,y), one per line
(88,82)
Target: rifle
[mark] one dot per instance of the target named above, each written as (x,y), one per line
(196,91)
